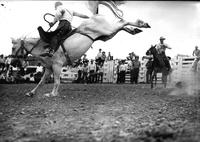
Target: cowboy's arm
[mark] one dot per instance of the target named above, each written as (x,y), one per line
(58,15)
(167,46)
(80,15)
(193,53)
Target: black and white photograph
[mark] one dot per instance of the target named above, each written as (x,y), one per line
(99,71)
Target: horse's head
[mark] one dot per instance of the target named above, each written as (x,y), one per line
(152,50)
(23,47)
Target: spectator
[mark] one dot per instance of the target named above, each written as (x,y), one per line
(136,69)
(80,73)
(99,54)
(196,53)
(2,63)
(85,73)
(131,56)
(122,71)
(92,70)
(100,74)
(131,64)
(8,62)
(98,57)
(85,60)
(149,66)
(103,57)
(109,57)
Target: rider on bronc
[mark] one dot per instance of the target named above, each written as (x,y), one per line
(161,47)
(64,16)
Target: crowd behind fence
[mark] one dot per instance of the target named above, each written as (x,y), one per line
(101,69)
(98,70)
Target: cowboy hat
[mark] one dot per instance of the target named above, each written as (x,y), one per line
(162,38)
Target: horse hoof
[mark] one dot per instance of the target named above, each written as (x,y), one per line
(147,25)
(50,95)
(30,94)
(47,95)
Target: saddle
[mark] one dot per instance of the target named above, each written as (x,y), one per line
(47,36)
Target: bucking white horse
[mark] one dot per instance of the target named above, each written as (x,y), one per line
(92,29)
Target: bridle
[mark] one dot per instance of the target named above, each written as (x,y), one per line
(22,48)
(152,51)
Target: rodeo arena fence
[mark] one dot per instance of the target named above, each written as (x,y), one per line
(181,71)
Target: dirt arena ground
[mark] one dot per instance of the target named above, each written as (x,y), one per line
(98,113)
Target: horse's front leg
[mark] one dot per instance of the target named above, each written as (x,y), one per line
(155,79)
(152,78)
(40,84)
(57,71)
(164,80)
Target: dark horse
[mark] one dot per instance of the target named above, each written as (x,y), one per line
(157,66)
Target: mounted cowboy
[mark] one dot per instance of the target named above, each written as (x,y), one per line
(163,59)
(65,17)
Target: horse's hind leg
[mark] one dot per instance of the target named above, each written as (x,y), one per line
(40,84)
(152,78)
(165,80)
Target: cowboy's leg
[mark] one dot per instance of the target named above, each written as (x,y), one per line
(161,60)
(63,28)
(167,63)
(41,83)
(166,60)
(54,43)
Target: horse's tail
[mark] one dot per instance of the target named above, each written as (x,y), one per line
(113,7)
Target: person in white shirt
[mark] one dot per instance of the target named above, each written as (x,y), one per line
(99,54)
(92,71)
(65,17)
